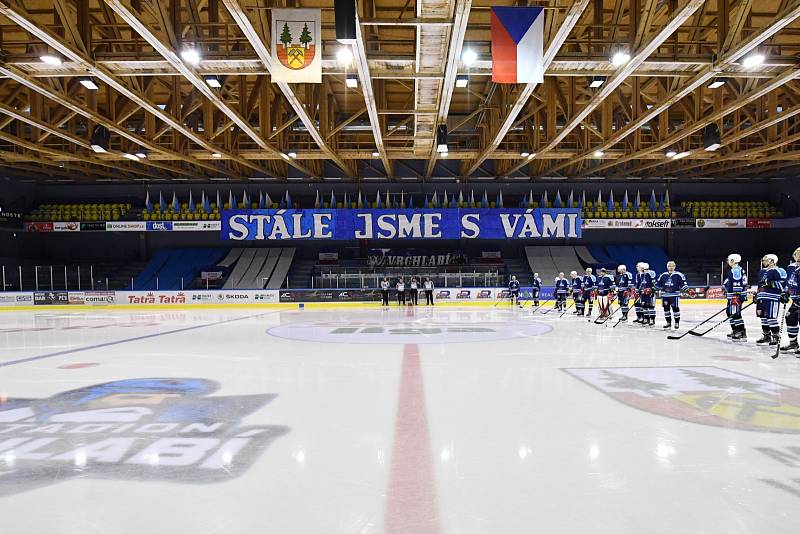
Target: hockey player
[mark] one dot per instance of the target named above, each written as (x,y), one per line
(637,284)
(771,286)
(605,292)
(624,287)
(561,289)
(793,315)
(647,283)
(576,290)
(670,285)
(536,287)
(589,287)
(513,290)
(735,286)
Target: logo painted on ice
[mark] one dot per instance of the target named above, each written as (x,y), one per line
(705,395)
(164,429)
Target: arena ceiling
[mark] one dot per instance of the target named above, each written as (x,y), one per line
(406,59)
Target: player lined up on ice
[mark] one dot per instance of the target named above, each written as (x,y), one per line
(561,289)
(670,284)
(513,290)
(536,288)
(771,292)
(644,282)
(793,314)
(735,286)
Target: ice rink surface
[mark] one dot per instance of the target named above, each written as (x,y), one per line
(425,421)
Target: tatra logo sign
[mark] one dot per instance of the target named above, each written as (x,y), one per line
(148,428)
(246,225)
(703,395)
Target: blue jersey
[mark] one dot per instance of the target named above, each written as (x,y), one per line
(793,282)
(589,282)
(605,284)
(577,284)
(513,285)
(624,281)
(735,282)
(671,284)
(562,284)
(771,283)
(536,284)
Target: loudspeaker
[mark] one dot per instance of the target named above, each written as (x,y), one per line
(345,16)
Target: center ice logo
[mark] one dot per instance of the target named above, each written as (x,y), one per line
(705,395)
(163,429)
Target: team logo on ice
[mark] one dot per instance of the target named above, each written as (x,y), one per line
(705,395)
(147,429)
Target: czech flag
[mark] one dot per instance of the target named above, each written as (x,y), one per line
(517,44)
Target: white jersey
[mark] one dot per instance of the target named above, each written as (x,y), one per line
(385,284)
(413,285)
(401,286)
(428,284)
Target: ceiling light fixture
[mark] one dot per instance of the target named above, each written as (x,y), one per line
(50,59)
(620,58)
(216,155)
(680,155)
(441,139)
(462,80)
(599,153)
(469,57)
(190,56)
(213,81)
(344,55)
(351,81)
(376,154)
(89,83)
(596,82)
(753,60)
(670,153)
(292,154)
(132,157)
(716,83)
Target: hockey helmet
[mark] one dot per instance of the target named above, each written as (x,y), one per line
(771,257)
(573,273)
(735,258)
(645,265)
(622,268)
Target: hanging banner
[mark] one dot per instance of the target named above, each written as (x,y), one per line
(517,44)
(405,224)
(296,45)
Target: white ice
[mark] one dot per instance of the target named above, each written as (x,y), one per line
(426,421)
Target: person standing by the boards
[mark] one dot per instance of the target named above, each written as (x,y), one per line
(414,287)
(401,292)
(428,285)
(385,291)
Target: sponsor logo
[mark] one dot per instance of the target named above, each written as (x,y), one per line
(126,226)
(170,429)
(24,298)
(472,328)
(66,226)
(504,294)
(77,298)
(759,223)
(159,226)
(201,296)
(443,294)
(38,227)
(195,226)
(701,395)
(232,296)
(463,294)
(158,298)
(50,298)
(715,293)
(721,223)
(93,226)
(99,297)
(663,223)
(8,298)
(485,294)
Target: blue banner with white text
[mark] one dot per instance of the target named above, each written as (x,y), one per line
(391,224)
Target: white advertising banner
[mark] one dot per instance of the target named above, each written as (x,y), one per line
(126,226)
(196,226)
(628,224)
(296,45)
(249,296)
(721,223)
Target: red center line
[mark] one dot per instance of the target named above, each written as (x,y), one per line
(411,503)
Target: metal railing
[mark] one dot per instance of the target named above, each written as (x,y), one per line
(373,280)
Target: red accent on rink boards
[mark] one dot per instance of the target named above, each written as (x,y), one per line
(411,503)
(78,365)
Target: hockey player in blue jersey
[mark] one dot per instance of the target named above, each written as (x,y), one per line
(576,291)
(648,297)
(624,287)
(536,288)
(793,314)
(605,292)
(735,286)
(589,288)
(670,285)
(771,288)
(637,284)
(561,290)
(513,290)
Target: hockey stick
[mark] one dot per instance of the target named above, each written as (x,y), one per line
(551,309)
(603,320)
(692,330)
(780,332)
(725,320)
(567,308)
(541,305)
